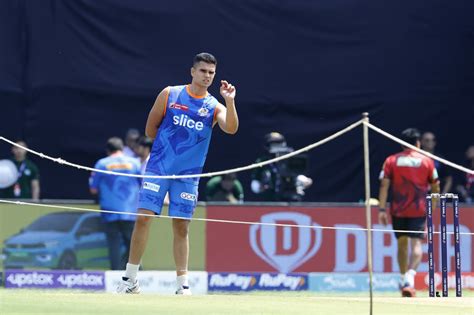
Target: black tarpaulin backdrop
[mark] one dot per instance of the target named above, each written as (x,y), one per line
(73,73)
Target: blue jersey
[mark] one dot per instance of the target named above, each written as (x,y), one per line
(183,137)
(117,193)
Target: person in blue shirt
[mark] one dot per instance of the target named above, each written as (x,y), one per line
(117,193)
(143,151)
(180,123)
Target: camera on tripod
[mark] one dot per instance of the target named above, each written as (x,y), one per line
(282,180)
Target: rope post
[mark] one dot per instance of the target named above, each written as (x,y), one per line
(368,213)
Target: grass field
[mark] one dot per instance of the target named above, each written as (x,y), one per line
(66,302)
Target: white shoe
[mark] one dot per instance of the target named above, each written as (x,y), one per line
(127,286)
(410,278)
(183,290)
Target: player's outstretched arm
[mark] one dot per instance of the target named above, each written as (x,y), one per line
(157,113)
(227,115)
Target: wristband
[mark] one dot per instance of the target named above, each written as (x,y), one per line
(382,210)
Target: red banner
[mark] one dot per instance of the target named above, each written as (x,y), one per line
(340,248)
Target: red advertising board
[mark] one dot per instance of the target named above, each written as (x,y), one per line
(336,243)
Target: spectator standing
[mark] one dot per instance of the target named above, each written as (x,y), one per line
(27,185)
(143,151)
(409,174)
(225,188)
(117,193)
(428,143)
(466,189)
(131,142)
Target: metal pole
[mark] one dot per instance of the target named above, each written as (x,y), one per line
(429,223)
(368,214)
(444,246)
(457,246)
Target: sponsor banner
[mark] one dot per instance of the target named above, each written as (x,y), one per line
(353,282)
(342,247)
(257,281)
(422,283)
(58,279)
(163,282)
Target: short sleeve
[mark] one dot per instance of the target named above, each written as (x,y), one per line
(34,172)
(211,186)
(95,177)
(387,169)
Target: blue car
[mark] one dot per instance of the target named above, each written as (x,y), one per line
(60,240)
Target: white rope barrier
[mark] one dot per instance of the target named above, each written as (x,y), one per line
(251,166)
(406,144)
(217,220)
(238,169)
(233,170)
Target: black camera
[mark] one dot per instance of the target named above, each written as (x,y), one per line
(282,177)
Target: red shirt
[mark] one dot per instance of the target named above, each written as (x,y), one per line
(410,174)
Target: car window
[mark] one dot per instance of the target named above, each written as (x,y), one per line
(90,225)
(60,222)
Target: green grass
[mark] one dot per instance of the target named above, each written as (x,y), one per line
(67,302)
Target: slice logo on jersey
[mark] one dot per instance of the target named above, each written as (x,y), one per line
(203,112)
(285,248)
(185,121)
(188,196)
(151,186)
(179,106)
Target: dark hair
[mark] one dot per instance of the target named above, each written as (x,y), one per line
(411,135)
(145,141)
(114,144)
(204,57)
(132,133)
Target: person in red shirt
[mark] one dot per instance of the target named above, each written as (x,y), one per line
(410,175)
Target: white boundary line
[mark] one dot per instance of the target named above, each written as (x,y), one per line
(239,169)
(215,220)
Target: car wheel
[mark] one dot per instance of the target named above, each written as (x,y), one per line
(67,261)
